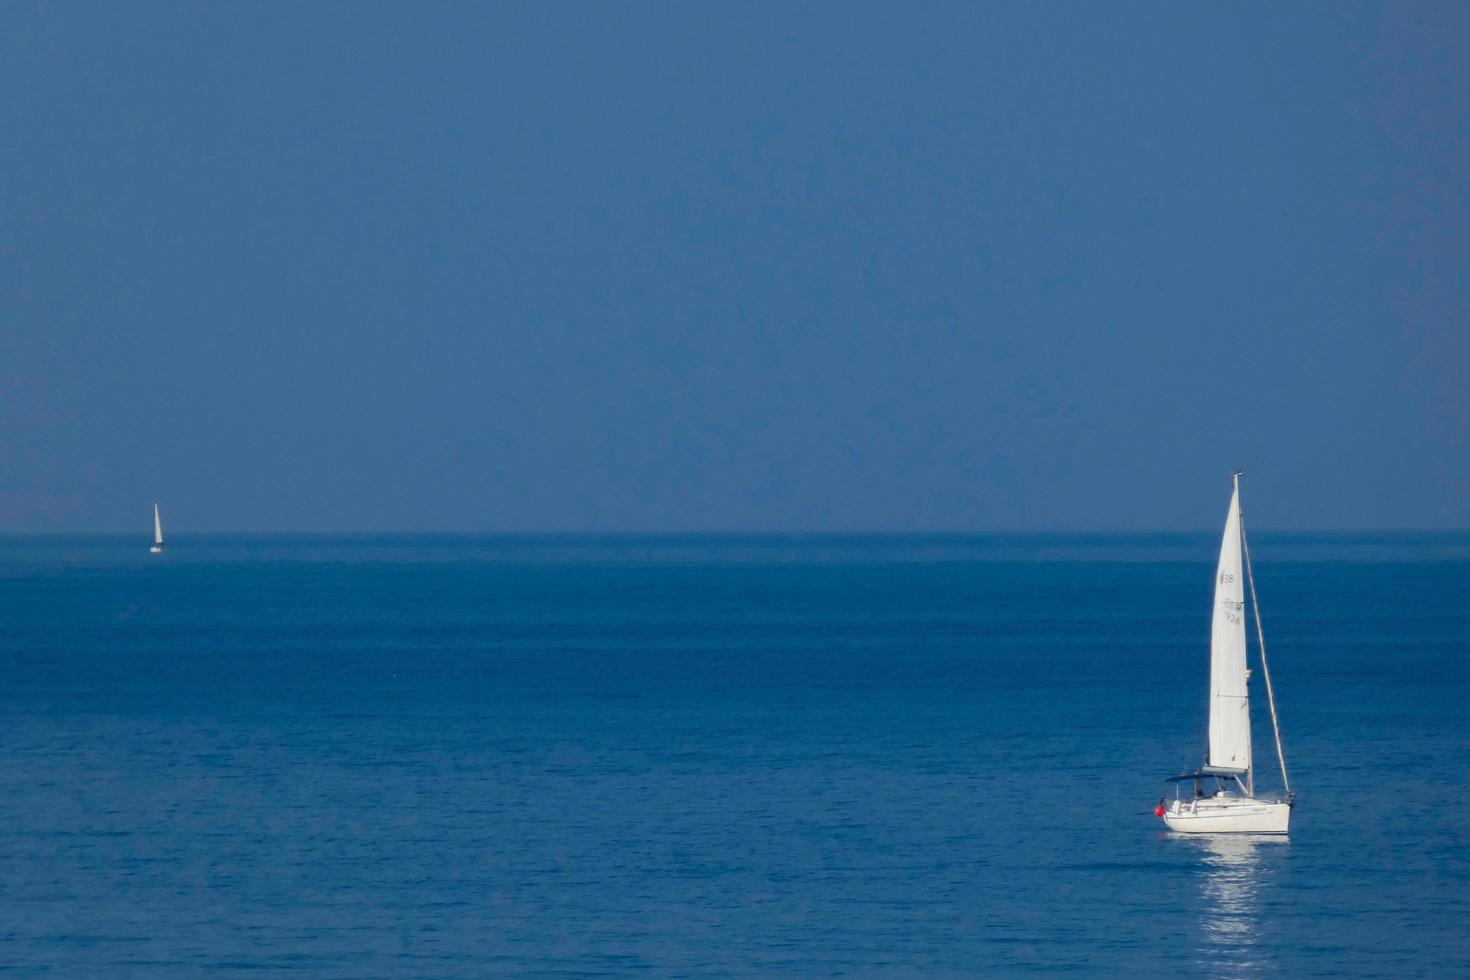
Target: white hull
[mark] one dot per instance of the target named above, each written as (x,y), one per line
(156,549)
(1228,815)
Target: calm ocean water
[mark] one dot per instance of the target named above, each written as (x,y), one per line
(353,757)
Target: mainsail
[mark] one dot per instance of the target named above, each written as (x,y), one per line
(157,527)
(1230,713)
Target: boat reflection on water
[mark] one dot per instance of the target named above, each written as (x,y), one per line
(1233,873)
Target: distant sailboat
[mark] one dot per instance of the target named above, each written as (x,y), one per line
(157,533)
(1228,758)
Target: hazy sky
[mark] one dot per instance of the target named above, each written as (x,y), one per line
(615,266)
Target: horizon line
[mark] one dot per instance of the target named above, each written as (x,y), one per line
(726,533)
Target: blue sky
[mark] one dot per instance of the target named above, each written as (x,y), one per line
(636,267)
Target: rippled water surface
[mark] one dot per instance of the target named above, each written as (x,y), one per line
(347,757)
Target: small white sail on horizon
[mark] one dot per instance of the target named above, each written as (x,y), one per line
(1228,760)
(157,532)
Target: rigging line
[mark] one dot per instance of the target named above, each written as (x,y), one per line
(1250,576)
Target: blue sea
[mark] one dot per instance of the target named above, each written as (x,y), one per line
(696,756)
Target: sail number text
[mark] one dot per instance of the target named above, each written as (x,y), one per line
(1232,610)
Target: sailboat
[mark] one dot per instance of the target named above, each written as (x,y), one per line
(1224,798)
(157,533)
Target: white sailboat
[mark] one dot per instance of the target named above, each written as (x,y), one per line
(157,533)
(1224,799)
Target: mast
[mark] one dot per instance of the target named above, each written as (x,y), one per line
(1265,666)
(1250,772)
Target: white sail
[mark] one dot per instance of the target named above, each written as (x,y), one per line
(157,527)
(1230,713)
